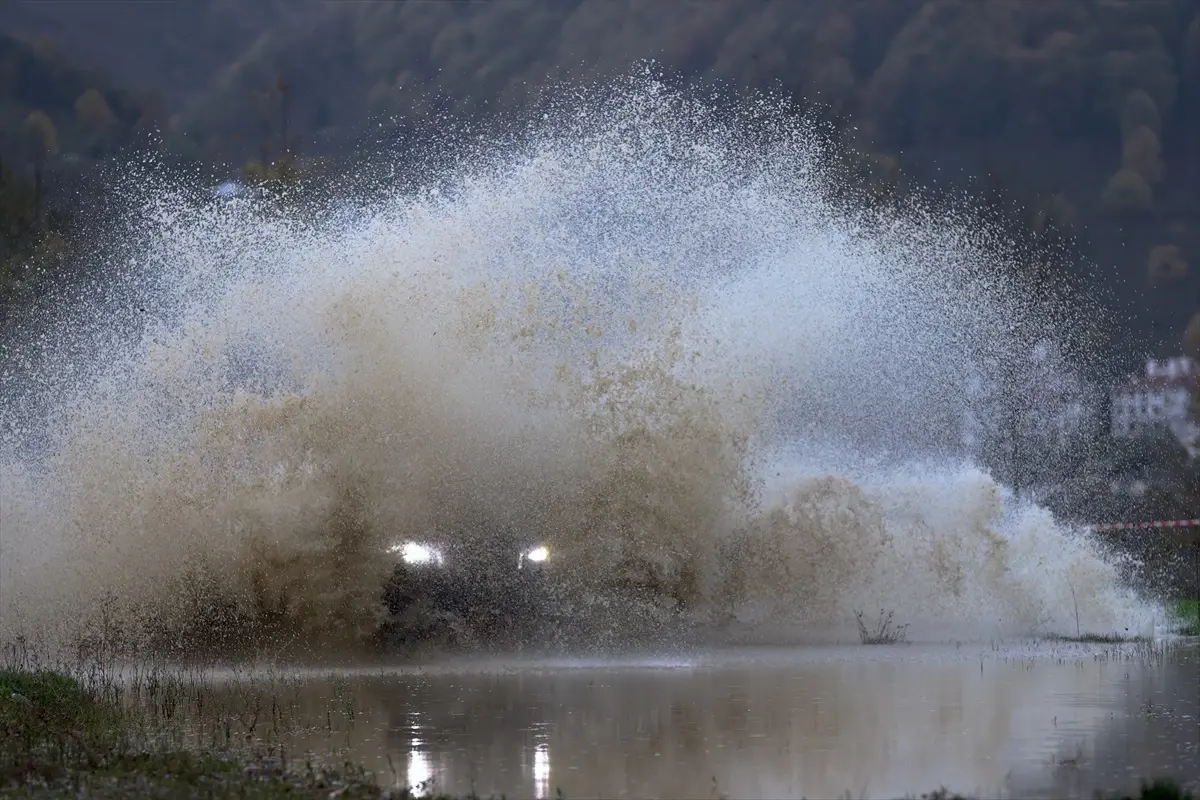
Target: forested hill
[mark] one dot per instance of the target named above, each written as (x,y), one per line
(1091,107)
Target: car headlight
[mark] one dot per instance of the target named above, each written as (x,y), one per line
(537,555)
(415,553)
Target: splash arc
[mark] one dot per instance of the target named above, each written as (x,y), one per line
(640,338)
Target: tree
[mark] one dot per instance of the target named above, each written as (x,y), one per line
(1139,110)
(285,107)
(1191,53)
(92,112)
(33,252)
(17,217)
(41,139)
(152,112)
(95,119)
(1191,342)
(264,103)
(1143,154)
(1127,190)
(1166,263)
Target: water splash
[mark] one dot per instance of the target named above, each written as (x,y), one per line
(641,330)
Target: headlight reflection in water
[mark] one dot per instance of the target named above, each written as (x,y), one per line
(420,772)
(541,772)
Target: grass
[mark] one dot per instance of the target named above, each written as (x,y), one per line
(184,775)
(61,737)
(50,724)
(1099,638)
(884,632)
(1187,612)
(1155,790)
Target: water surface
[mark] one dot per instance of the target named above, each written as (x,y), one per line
(1020,720)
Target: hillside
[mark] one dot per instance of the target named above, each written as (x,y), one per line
(89,116)
(1092,101)
(174,48)
(1089,106)
(60,126)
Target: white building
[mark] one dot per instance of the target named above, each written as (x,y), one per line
(1161,398)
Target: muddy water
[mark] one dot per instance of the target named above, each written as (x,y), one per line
(1026,720)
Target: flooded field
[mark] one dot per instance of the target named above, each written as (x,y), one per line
(1030,719)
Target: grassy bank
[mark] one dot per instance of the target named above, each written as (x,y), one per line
(1188,613)
(60,737)
(66,737)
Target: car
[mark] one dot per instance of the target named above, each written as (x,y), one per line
(494,585)
(504,589)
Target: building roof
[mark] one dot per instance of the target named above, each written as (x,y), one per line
(1180,372)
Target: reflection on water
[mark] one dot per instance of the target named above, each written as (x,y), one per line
(876,722)
(420,772)
(541,771)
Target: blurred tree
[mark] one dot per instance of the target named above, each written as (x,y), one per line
(884,183)
(278,174)
(33,243)
(1041,224)
(831,76)
(835,35)
(264,103)
(1142,153)
(96,120)
(1191,53)
(1143,61)
(41,139)
(1191,342)
(283,176)
(17,213)
(285,106)
(1165,263)
(152,113)
(1128,191)
(1138,110)
(832,83)
(92,112)
(322,116)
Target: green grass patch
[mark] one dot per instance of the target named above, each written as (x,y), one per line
(50,724)
(1187,613)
